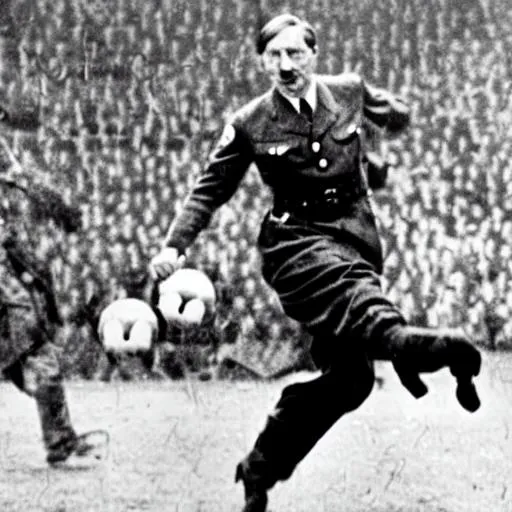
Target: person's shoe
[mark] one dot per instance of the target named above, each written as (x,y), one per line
(87,448)
(256,498)
(416,350)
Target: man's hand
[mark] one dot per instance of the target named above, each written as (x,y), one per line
(165,263)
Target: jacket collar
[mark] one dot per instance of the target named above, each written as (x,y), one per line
(311,97)
(287,119)
(290,121)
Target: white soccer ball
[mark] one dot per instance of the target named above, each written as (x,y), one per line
(187,297)
(128,325)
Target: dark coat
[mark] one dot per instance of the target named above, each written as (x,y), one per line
(293,158)
(326,271)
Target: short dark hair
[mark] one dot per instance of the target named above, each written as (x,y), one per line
(279,23)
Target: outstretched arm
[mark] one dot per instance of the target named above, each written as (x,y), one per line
(214,187)
(386,110)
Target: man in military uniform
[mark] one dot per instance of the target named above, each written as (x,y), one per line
(320,246)
(29,328)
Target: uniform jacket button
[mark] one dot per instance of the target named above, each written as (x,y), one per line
(315,147)
(322,163)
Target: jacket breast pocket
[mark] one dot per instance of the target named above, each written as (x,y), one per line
(275,148)
(279,160)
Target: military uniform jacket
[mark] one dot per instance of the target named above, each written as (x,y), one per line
(296,158)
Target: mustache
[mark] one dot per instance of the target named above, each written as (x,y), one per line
(287,75)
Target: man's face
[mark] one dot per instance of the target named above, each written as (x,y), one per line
(289,62)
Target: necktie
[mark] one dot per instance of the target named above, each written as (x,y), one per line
(305,109)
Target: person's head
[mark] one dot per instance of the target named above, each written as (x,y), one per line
(288,50)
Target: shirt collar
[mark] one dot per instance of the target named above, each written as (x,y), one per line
(310,97)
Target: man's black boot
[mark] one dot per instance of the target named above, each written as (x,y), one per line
(415,350)
(256,498)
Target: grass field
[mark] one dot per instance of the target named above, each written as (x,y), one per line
(173,447)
